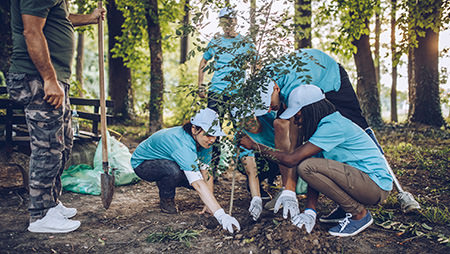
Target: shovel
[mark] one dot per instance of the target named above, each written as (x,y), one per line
(406,199)
(106,179)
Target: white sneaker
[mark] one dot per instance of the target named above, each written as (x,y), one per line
(65,211)
(53,222)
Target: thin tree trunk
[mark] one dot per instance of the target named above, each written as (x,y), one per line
(303,24)
(119,82)
(184,44)
(367,89)
(79,59)
(394,117)
(377,45)
(156,67)
(253,28)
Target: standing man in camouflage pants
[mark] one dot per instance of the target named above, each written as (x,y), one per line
(43,46)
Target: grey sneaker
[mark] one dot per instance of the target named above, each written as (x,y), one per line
(271,204)
(53,222)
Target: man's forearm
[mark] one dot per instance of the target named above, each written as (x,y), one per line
(38,51)
(82,19)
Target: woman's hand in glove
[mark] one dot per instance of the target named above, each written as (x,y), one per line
(227,221)
(255,207)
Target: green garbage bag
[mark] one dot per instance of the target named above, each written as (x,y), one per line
(302,186)
(81,178)
(119,158)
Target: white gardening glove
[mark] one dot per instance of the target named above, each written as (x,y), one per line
(307,218)
(290,204)
(227,221)
(255,207)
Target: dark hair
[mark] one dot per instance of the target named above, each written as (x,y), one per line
(187,127)
(312,114)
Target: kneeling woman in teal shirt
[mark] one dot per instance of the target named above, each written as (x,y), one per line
(180,157)
(337,158)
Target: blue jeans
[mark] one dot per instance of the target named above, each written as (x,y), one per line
(167,175)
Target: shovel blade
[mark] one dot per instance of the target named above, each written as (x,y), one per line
(107,183)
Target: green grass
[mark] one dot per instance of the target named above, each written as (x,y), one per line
(169,234)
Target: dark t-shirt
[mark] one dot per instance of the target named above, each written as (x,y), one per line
(58,31)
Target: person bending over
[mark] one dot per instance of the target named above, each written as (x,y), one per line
(180,157)
(337,158)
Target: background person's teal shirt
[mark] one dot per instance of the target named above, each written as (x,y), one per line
(266,136)
(319,69)
(173,144)
(344,141)
(225,50)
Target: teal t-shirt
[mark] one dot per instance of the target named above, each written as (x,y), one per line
(316,68)
(58,32)
(344,141)
(266,136)
(225,50)
(173,144)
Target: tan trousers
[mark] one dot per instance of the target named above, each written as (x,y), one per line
(349,187)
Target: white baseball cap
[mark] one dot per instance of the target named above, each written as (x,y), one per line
(227,12)
(208,120)
(301,96)
(266,97)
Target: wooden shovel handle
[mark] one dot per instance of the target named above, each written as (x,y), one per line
(101,68)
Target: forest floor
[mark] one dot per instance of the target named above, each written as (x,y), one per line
(134,223)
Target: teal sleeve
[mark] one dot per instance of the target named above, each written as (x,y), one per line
(327,136)
(209,53)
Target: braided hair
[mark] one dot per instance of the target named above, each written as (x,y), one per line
(312,114)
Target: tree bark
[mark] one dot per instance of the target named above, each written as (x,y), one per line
(394,116)
(156,67)
(303,24)
(5,36)
(184,43)
(79,63)
(119,82)
(377,46)
(426,103)
(253,28)
(367,89)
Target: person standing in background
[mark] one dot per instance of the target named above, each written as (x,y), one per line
(43,46)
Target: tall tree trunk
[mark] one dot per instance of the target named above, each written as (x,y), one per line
(394,117)
(367,89)
(79,64)
(303,24)
(156,66)
(427,107)
(5,36)
(377,44)
(120,89)
(184,43)
(411,81)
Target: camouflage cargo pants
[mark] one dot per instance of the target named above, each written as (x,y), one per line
(51,139)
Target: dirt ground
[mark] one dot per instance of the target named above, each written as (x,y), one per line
(134,215)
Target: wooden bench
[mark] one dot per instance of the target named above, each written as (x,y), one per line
(13,129)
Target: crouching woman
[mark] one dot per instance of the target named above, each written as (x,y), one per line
(180,157)
(347,166)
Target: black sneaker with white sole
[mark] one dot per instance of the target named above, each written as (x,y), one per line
(335,216)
